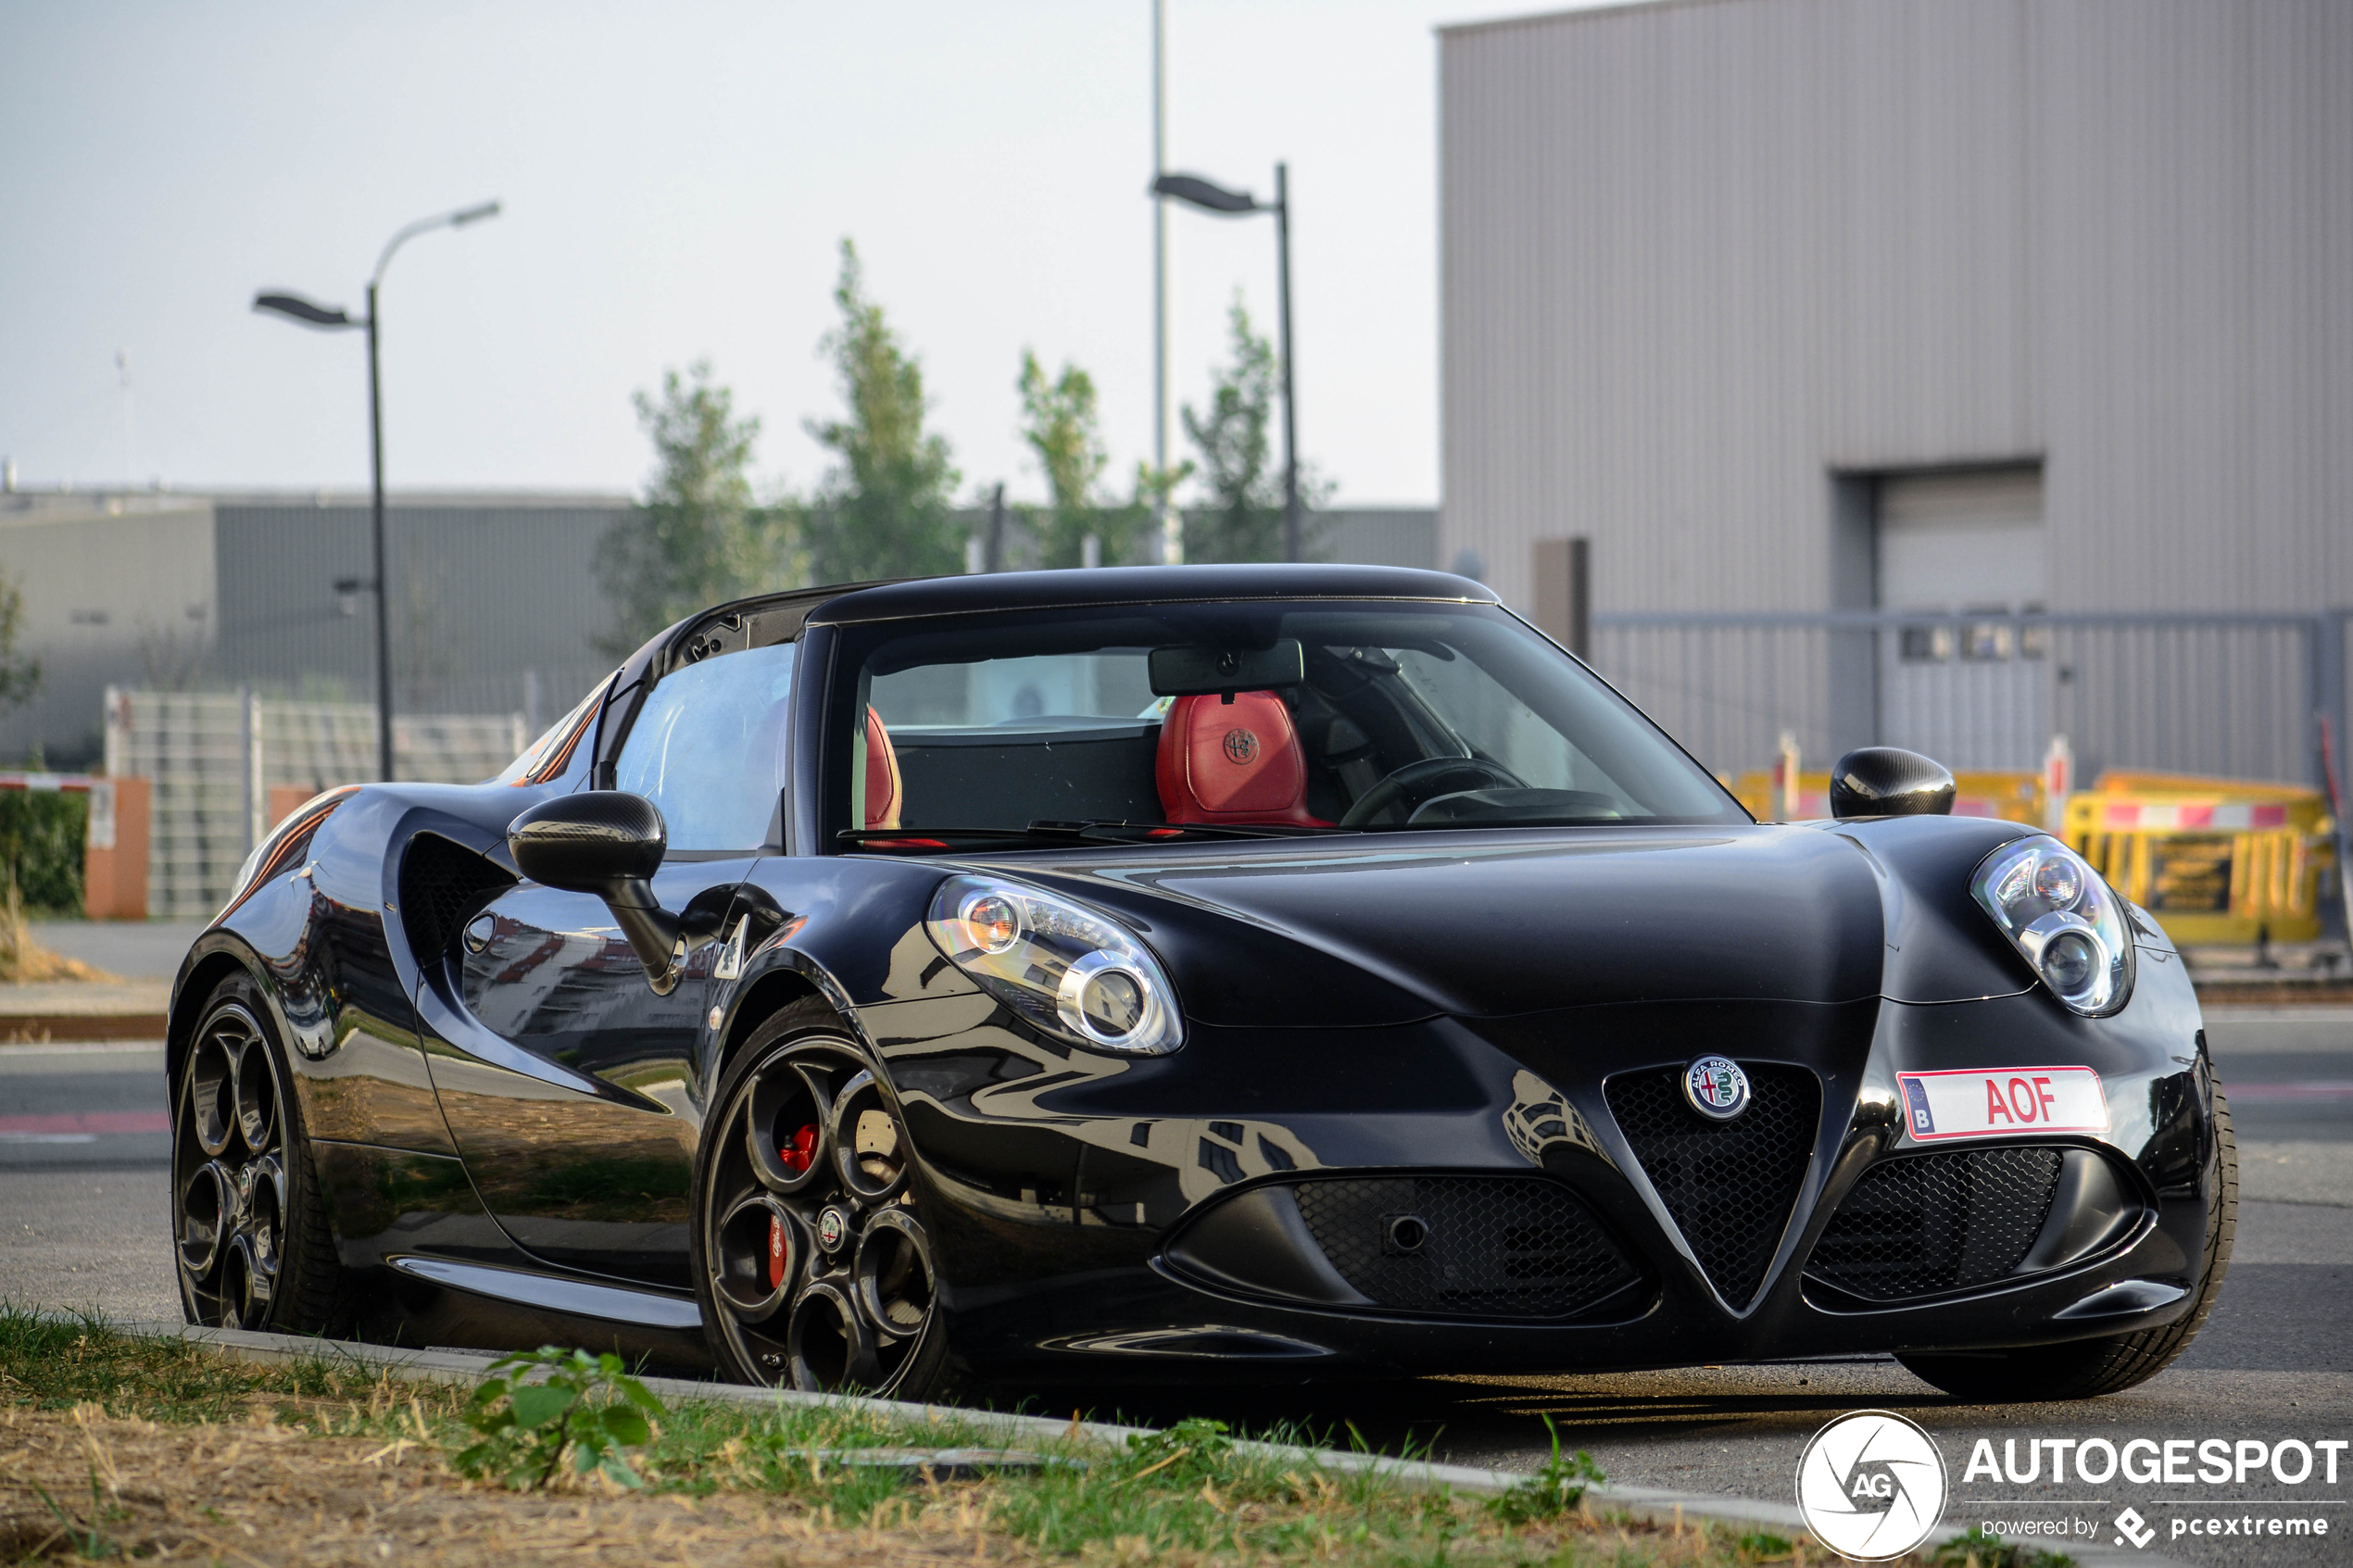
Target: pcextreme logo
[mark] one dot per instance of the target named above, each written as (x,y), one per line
(1871,1485)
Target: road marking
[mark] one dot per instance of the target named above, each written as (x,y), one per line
(84,1122)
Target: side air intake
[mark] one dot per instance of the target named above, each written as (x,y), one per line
(443,885)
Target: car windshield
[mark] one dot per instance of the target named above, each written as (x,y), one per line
(1238,718)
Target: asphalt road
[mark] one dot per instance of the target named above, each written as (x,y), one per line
(83,1223)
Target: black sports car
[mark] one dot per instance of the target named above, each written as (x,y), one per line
(1251,971)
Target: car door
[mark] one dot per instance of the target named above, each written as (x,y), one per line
(567,1078)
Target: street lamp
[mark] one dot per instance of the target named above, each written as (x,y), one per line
(333,318)
(1194,191)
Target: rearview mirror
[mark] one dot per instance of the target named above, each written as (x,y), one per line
(1196,671)
(1886,781)
(610,842)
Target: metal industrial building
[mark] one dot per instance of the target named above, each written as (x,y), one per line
(494,603)
(1953,372)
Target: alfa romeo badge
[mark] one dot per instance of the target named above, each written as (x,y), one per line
(1717,1087)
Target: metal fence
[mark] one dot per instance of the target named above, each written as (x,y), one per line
(2233,696)
(541,694)
(215,757)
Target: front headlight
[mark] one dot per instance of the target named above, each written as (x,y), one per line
(2068,922)
(1074,974)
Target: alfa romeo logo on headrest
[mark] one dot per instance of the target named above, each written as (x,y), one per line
(1717,1087)
(1241,747)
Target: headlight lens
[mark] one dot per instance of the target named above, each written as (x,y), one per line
(1074,974)
(2068,922)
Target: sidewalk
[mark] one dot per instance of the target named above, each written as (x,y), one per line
(75,1009)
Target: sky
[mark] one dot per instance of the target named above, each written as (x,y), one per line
(676,182)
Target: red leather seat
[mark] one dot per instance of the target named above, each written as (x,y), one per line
(1233,762)
(882,775)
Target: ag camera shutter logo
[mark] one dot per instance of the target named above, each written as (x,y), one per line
(1871,1485)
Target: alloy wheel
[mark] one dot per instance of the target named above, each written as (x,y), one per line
(229,1173)
(819,1262)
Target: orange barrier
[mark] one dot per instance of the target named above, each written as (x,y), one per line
(2217,861)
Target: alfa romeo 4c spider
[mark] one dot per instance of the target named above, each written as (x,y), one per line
(1257,971)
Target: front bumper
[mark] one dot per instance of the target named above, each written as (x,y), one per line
(1062,1186)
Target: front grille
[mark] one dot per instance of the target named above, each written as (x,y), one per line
(1729,1185)
(1515,1247)
(1931,1222)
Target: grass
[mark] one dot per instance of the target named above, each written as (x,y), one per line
(116,1447)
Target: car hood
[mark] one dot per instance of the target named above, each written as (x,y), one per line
(1377,929)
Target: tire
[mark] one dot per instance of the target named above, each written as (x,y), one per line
(252,1247)
(2084,1369)
(812,1262)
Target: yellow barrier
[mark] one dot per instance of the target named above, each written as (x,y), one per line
(2217,861)
(2016,797)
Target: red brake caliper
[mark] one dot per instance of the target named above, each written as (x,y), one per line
(796,1156)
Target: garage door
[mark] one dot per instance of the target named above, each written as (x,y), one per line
(1956,545)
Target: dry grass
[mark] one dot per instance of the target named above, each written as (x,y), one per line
(25,961)
(160,1450)
(265,1492)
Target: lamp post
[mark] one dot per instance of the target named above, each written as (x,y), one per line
(1194,191)
(333,318)
(1172,532)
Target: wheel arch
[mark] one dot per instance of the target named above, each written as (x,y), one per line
(762,1000)
(789,977)
(202,978)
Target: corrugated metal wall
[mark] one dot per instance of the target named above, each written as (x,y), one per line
(1699,256)
(481,590)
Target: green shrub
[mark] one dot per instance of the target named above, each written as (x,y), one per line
(585,1404)
(42,834)
(1557,1487)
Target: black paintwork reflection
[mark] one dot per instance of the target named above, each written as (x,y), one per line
(315,939)
(592,1179)
(386,1201)
(1483,926)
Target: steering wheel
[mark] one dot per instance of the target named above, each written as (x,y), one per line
(1426,780)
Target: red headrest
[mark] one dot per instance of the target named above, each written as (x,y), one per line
(882,774)
(1233,762)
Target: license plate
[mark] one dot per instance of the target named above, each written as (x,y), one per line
(1981,1101)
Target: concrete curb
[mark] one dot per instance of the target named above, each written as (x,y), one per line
(1647,1504)
(48,1028)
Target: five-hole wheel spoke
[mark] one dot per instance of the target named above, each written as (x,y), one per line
(816,1258)
(229,1175)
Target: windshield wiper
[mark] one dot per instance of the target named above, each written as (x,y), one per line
(927,837)
(1104,831)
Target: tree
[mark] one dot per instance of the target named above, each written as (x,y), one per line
(883,511)
(1243,519)
(697,539)
(1061,427)
(20,675)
